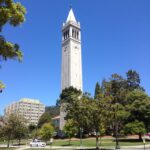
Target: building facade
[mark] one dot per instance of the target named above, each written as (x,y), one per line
(30,109)
(71,73)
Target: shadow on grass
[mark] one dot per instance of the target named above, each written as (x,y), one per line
(67,145)
(129,140)
(18,144)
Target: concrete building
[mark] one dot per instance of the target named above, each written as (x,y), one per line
(71,73)
(56,121)
(30,109)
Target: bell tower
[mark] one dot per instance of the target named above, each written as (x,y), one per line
(71,53)
(71,69)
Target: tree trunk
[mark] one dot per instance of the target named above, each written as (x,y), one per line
(97,148)
(8,142)
(69,140)
(19,141)
(12,142)
(140,136)
(100,141)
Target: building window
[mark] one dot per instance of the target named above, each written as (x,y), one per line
(66,34)
(77,35)
(72,32)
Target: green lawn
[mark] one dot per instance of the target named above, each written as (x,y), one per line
(104,142)
(90,142)
(15,142)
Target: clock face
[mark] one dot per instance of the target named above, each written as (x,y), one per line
(65,49)
(76,47)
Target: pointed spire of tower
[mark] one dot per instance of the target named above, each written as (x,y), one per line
(71,16)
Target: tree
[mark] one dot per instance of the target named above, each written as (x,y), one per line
(128,101)
(46,131)
(97,90)
(32,127)
(139,107)
(20,130)
(115,89)
(75,106)
(135,127)
(45,118)
(70,129)
(11,13)
(53,111)
(69,94)
(97,116)
(133,80)
(14,127)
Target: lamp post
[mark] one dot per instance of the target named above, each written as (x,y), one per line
(144,141)
(81,131)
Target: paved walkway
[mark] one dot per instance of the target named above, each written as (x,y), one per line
(140,147)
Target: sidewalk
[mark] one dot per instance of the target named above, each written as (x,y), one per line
(140,147)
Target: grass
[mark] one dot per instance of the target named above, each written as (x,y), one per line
(14,142)
(104,142)
(90,142)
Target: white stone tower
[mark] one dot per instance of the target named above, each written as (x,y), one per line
(71,53)
(71,74)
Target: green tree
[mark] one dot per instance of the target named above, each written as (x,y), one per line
(128,101)
(135,127)
(139,107)
(96,117)
(45,118)
(70,129)
(12,13)
(97,90)
(53,111)
(47,131)
(75,105)
(116,89)
(20,130)
(32,127)
(14,127)
(69,94)
(133,80)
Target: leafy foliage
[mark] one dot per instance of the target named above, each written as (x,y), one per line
(14,127)
(45,118)
(46,131)
(135,127)
(133,80)
(97,90)
(12,13)
(52,110)
(70,129)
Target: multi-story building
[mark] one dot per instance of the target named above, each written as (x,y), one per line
(30,109)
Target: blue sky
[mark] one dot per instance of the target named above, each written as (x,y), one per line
(115,38)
